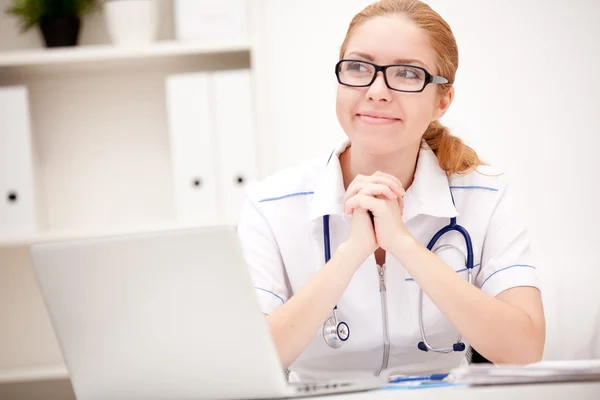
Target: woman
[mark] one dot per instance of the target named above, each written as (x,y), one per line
(378,199)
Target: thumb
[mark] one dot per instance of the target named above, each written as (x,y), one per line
(361,214)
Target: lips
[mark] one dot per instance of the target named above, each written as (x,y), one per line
(377,118)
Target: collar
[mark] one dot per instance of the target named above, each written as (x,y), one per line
(329,191)
(429,193)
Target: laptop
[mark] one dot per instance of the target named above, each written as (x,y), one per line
(164,315)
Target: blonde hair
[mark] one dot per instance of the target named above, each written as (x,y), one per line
(453,155)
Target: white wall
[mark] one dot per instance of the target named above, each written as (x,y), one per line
(527,91)
(302,84)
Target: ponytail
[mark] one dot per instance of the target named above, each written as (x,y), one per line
(453,155)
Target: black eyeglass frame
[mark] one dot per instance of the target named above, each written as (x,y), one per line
(429,78)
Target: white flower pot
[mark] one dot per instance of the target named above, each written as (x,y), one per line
(131,22)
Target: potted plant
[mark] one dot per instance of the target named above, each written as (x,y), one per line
(58,20)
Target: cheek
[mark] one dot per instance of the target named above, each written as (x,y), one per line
(419,111)
(344,105)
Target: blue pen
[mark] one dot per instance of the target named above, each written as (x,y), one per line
(432,377)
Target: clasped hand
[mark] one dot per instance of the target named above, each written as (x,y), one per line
(383,195)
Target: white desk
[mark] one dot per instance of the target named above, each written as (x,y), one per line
(573,391)
(61,390)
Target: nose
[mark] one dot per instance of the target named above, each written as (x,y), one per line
(378,91)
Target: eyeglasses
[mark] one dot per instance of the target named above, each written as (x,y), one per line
(399,77)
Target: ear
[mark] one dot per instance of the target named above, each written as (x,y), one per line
(443,103)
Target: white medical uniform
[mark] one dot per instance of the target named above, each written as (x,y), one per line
(281,233)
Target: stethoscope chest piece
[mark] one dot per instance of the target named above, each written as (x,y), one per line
(335,333)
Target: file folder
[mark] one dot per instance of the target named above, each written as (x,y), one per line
(234,133)
(17,178)
(189,123)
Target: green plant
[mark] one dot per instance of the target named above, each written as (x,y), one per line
(31,12)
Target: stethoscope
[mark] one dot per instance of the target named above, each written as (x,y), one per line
(336,332)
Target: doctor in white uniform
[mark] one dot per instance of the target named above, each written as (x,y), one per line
(403,166)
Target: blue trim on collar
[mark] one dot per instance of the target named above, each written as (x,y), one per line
(475,187)
(285,196)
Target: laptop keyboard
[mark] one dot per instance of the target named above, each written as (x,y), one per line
(307,387)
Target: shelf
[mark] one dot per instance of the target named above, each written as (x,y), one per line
(17,63)
(29,374)
(40,57)
(54,389)
(25,240)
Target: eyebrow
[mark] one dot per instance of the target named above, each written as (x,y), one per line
(396,61)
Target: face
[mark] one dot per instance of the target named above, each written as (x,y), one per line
(379,120)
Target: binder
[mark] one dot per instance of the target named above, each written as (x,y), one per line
(234,133)
(17,180)
(193,164)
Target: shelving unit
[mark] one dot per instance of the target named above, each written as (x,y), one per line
(97,112)
(100,134)
(102,163)
(157,60)
(160,58)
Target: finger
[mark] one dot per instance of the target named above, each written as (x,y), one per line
(391,177)
(389,180)
(379,189)
(360,213)
(401,204)
(358,184)
(367,203)
(361,187)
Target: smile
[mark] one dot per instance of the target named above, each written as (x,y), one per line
(376,120)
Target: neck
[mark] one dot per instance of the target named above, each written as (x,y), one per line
(401,164)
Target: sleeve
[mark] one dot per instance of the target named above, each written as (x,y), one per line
(261,252)
(507,260)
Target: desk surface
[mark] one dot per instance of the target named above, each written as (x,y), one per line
(61,390)
(583,390)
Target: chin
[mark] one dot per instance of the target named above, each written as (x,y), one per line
(374,140)
(375,144)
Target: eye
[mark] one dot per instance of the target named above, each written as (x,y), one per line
(409,73)
(356,67)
